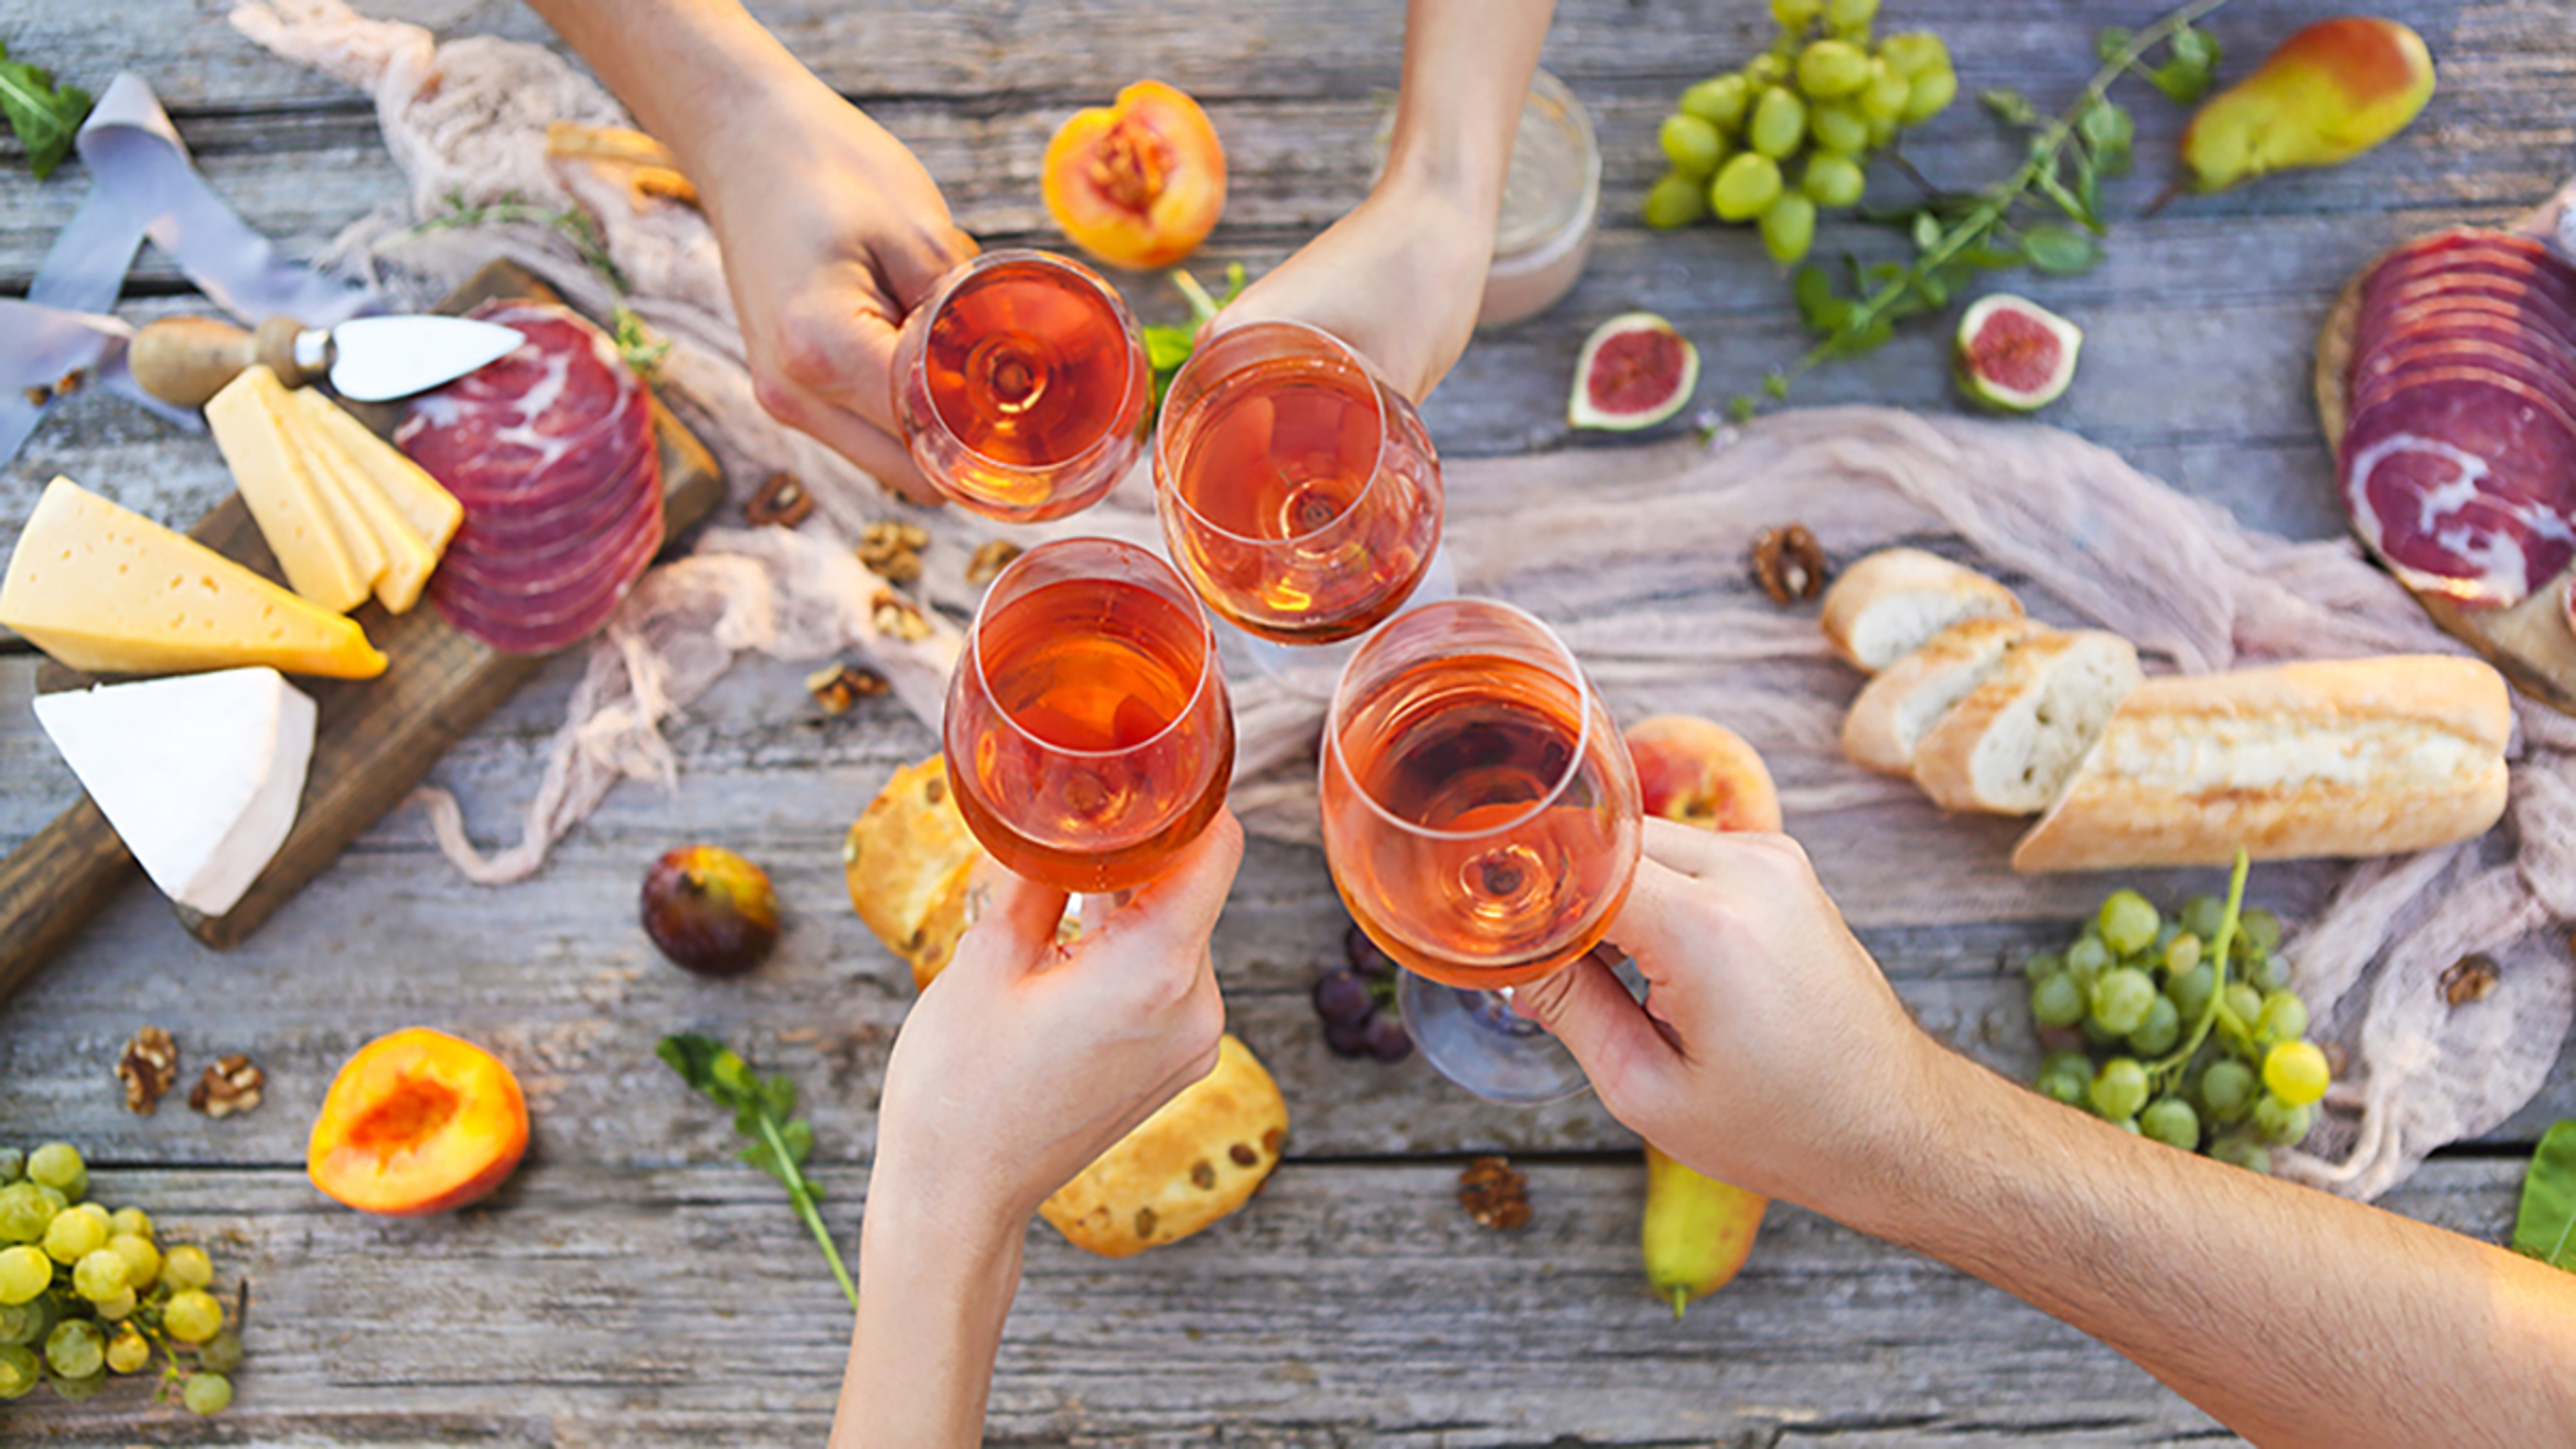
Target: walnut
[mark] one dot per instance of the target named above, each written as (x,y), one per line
(1789,564)
(1494,1195)
(892,550)
(231,1085)
(69,383)
(898,617)
(782,500)
(38,395)
(990,560)
(148,1067)
(2469,979)
(838,686)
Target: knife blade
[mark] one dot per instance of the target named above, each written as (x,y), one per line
(186,360)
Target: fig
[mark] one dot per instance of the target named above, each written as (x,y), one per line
(710,910)
(1139,183)
(2015,355)
(2327,94)
(1634,372)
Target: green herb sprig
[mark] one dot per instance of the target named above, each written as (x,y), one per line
(2545,1226)
(1169,344)
(763,1110)
(577,225)
(636,343)
(44,117)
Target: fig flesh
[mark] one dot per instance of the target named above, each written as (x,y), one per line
(1634,372)
(710,910)
(2014,355)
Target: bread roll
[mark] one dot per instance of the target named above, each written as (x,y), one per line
(2009,746)
(1889,604)
(2334,758)
(1895,710)
(1198,1158)
(907,861)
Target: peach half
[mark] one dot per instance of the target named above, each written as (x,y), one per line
(417,1122)
(1139,183)
(1701,773)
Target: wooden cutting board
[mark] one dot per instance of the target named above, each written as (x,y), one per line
(375,738)
(2530,642)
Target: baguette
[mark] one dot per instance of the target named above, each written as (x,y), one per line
(1895,710)
(1889,604)
(2331,758)
(2010,745)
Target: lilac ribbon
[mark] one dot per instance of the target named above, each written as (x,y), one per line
(142,185)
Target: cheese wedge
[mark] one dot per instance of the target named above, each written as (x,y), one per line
(248,422)
(405,558)
(431,510)
(200,775)
(112,592)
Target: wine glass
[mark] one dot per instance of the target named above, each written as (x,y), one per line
(1088,734)
(1022,386)
(1298,491)
(1483,823)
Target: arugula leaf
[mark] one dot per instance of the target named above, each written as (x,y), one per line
(44,117)
(2108,133)
(764,1111)
(1168,345)
(2059,251)
(2545,1228)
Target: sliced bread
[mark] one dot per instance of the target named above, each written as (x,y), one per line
(1893,711)
(2349,757)
(2009,747)
(1891,603)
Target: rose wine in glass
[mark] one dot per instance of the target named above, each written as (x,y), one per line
(1298,491)
(1022,386)
(1088,733)
(1482,822)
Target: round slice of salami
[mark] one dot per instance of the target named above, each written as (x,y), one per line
(499,532)
(520,415)
(2474,247)
(518,484)
(2426,357)
(2406,303)
(543,622)
(2521,390)
(2466,310)
(532,571)
(512,636)
(2517,282)
(2464,486)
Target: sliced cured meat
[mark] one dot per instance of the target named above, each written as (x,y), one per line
(524,570)
(2520,390)
(2464,291)
(2408,363)
(2464,486)
(2495,315)
(530,410)
(492,530)
(536,600)
(2466,247)
(514,637)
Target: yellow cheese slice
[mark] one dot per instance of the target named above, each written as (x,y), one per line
(407,558)
(110,591)
(281,493)
(366,551)
(431,510)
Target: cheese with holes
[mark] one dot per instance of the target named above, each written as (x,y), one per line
(431,510)
(112,592)
(248,418)
(201,775)
(405,559)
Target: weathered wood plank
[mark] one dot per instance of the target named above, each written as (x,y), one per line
(1348,1302)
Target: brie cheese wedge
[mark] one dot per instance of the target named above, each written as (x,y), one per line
(200,774)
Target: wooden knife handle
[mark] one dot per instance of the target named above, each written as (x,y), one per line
(186,360)
(53,884)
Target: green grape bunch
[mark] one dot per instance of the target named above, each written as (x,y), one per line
(2189,1032)
(1794,129)
(86,1293)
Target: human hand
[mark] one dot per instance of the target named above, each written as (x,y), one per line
(1770,1052)
(1026,1059)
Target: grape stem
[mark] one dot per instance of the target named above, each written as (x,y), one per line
(2172,1062)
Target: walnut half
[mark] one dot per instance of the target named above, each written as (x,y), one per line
(232,1085)
(1789,564)
(147,1068)
(1494,1195)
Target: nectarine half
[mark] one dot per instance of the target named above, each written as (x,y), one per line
(417,1122)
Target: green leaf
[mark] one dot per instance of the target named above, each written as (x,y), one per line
(2067,201)
(1927,231)
(2013,106)
(2059,251)
(1740,407)
(1776,383)
(2109,135)
(2186,76)
(778,1095)
(45,118)
(1167,345)
(693,1057)
(2545,1227)
(2113,42)
(1818,307)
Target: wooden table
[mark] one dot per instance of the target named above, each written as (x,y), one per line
(634,1285)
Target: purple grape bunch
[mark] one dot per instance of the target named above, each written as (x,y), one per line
(1357,1004)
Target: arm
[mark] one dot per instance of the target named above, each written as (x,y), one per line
(1401,276)
(831,230)
(1778,1058)
(1024,1061)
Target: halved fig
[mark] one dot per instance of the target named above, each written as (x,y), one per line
(1139,183)
(2015,355)
(1634,372)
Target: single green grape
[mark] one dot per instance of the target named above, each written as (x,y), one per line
(24,1273)
(1882,132)
(207,1393)
(58,1165)
(2242,1002)
(142,1260)
(130,1222)
(1831,69)
(1675,201)
(1789,227)
(2238,1149)
(2181,954)
(1779,123)
(192,1316)
(1845,14)
(2119,1088)
(2038,966)
(99,1274)
(2296,1072)
(116,1307)
(222,1353)
(2088,957)
(2171,1121)
(2280,1123)
(1839,128)
(1720,100)
(2265,971)
(187,1266)
(1692,145)
(1833,180)
(2284,1017)
(2203,915)
(2190,991)
(1929,95)
(2128,1125)
(1915,52)
(1796,14)
(1745,186)
(2226,1089)
(73,1391)
(75,1234)
(24,1213)
(2122,997)
(2128,922)
(1765,70)
(2057,1001)
(128,1351)
(1884,98)
(76,1349)
(2067,1088)
(19,1371)
(21,1323)
(13,1164)
(2262,928)
(2156,1035)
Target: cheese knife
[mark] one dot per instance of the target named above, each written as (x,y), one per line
(186,360)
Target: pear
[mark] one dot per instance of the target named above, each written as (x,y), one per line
(2329,93)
